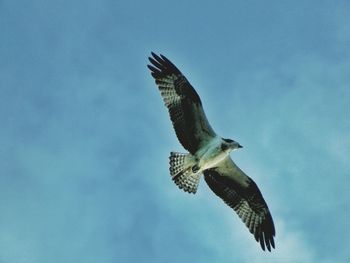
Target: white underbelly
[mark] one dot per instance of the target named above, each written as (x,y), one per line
(212,160)
(211,155)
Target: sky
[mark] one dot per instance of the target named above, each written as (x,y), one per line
(85,137)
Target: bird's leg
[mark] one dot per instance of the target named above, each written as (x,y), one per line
(195,168)
(193,163)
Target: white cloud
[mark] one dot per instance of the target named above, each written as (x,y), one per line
(291,247)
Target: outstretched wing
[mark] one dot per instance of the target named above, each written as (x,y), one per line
(242,194)
(185,107)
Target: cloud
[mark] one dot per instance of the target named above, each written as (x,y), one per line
(85,138)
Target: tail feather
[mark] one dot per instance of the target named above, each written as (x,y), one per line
(182,174)
(177,163)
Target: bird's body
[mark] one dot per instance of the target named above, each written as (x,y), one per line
(208,153)
(212,153)
(208,156)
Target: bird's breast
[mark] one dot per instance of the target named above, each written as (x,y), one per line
(212,154)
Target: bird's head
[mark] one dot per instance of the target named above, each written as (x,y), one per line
(230,145)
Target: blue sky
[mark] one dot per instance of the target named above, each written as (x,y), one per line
(85,138)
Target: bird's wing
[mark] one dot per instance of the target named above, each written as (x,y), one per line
(185,107)
(242,194)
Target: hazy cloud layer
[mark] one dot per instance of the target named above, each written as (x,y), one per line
(85,138)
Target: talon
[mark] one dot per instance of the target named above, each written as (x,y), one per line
(195,168)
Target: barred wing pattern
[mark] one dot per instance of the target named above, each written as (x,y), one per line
(185,107)
(242,194)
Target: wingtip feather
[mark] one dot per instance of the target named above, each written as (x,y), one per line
(156,63)
(157,58)
(272,241)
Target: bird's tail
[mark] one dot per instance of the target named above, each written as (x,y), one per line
(183,173)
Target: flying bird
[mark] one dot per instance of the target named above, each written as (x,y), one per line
(208,154)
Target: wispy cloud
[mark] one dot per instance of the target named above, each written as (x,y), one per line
(85,138)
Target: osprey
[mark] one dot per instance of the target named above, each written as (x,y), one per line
(209,154)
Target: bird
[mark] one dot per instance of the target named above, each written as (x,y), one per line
(208,154)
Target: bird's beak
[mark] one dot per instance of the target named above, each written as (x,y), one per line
(240,146)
